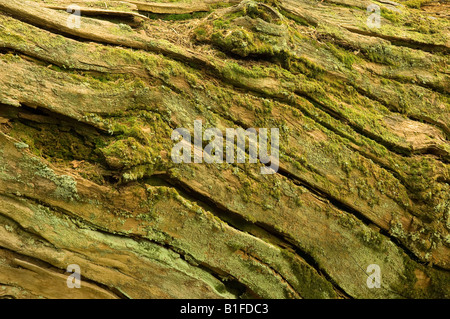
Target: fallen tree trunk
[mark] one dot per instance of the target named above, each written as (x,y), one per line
(87,178)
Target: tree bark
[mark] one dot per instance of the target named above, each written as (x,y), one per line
(87,178)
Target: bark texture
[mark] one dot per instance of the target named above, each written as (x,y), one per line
(86,175)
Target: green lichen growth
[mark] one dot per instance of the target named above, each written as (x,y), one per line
(21,145)
(66,186)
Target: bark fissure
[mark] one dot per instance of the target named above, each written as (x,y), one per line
(228,216)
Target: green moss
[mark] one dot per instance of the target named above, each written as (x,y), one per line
(266,37)
(380,54)
(425,25)
(307,67)
(392,16)
(344,56)
(433,287)
(126,153)
(200,33)
(121,29)
(234,71)
(309,286)
(178,17)
(416,3)
(138,154)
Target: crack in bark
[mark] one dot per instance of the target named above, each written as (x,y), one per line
(413,117)
(353,211)
(232,219)
(151,45)
(403,42)
(395,148)
(275,272)
(398,149)
(233,285)
(47,60)
(340,205)
(46,265)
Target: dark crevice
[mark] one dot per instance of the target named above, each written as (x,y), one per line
(349,209)
(107,15)
(395,148)
(231,283)
(2,284)
(60,118)
(349,47)
(48,28)
(309,259)
(258,229)
(313,189)
(29,232)
(276,273)
(433,150)
(43,264)
(149,46)
(426,85)
(393,108)
(410,43)
(63,66)
(430,121)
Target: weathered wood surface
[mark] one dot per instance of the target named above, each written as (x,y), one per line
(86,177)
